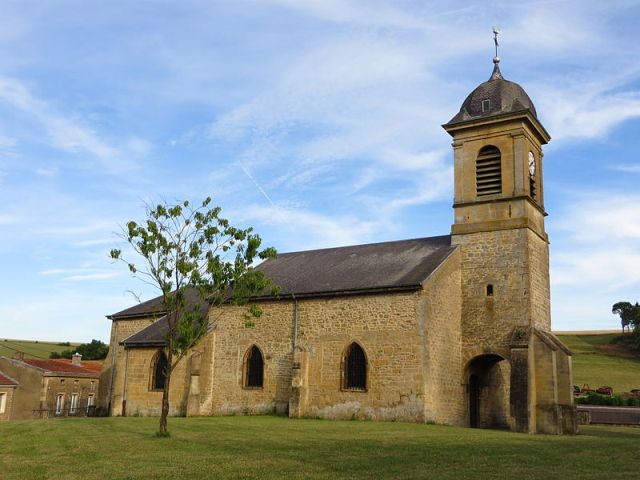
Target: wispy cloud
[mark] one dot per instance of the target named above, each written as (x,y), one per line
(69,134)
(627,168)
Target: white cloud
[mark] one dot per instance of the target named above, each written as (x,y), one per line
(70,134)
(307,230)
(604,236)
(627,168)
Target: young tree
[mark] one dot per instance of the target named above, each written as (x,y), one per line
(196,259)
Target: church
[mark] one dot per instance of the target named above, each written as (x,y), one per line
(453,329)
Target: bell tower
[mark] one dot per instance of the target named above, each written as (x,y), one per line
(499,228)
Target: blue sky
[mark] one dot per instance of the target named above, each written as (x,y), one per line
(317,122)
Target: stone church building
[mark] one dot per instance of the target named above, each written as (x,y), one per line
(453,329)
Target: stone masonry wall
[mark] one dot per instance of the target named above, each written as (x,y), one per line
(539,297)
(439,312)
(499,259)
(112,375)
(142,399)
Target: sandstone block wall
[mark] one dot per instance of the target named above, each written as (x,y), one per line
(439,313)
(112,375)
(141,398)
(499,259)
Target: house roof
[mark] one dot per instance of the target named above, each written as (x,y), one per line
(7,381)
(92,365)
(354,270)
(61,366)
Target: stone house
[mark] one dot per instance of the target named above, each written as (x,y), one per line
(454,329)
(51,388)
(7,389)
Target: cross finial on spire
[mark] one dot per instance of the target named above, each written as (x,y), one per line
(496,32)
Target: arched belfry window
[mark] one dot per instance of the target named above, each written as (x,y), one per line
(488,171)
(159,368)
(254,368)
(355,368)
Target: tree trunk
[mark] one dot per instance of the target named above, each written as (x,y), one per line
(164,414)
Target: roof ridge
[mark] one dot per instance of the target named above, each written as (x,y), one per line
(388,242)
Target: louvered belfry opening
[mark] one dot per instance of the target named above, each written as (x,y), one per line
(532,186)
(255,369)
(488,171)
(160,371)
(355,368)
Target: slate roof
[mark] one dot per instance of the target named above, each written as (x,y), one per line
(505,96)
(354,270)
(148,308)
(6,381)
(370,268)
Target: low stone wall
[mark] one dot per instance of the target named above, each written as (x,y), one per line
(608,415)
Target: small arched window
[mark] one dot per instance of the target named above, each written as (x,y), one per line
(488,171)
(355,368)
(159,368)
(254,368)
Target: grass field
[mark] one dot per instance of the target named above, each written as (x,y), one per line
(596,363)
(31,349)
(280,448)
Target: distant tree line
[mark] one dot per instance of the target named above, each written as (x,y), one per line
(96,350)
(630,320)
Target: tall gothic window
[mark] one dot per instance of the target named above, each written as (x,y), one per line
(355,368)
(159,371)
(488,171)
(254,368)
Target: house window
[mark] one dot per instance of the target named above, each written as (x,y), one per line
(3,401)
(254,368)
(488,171)
(89,402)
(486,105)
(355,368)
(159,368)
(73,406)
(59,403)
(489,290)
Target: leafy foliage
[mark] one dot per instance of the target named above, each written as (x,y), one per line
(196,259)
(96,350)
(629,314)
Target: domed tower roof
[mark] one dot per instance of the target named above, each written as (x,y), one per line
(494,97)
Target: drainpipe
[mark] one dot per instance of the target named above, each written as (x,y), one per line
(294,340)
(126,372)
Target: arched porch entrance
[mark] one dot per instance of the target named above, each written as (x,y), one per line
(488,381)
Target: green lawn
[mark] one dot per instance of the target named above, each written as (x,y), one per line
(280,448)
(595,367)
(31,348)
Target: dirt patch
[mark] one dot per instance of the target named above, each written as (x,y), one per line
(618,351)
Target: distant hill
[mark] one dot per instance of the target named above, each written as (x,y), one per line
(596,362)
(31,348)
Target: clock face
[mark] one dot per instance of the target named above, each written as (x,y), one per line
(532,164)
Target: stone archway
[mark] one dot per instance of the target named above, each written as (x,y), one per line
(488,382)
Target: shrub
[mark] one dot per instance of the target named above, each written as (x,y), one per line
(604,400)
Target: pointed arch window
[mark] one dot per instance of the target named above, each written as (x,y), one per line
(159,368)
(488,171)
(254,368)
(355,368)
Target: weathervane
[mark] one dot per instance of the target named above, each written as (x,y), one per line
(496,32)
